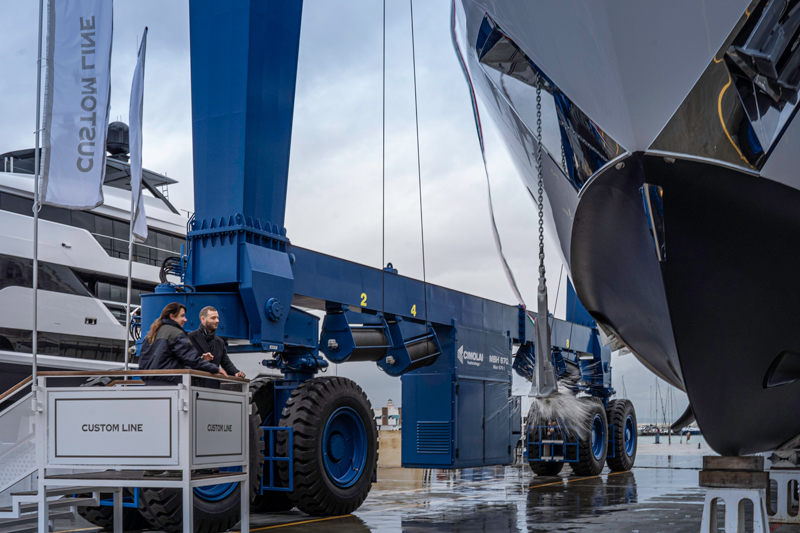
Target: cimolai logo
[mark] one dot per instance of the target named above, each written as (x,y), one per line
(471,358)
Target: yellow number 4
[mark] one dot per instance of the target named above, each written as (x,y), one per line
(414,310)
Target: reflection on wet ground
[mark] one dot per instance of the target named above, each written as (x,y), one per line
(660,495)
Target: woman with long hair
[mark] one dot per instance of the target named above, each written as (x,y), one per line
(166,347)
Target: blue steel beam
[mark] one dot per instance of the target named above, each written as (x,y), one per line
(320,278)
(244,66)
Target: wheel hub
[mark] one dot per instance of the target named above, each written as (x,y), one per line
(630,436)
(336,447)
(598,437)
(345,447)
(214,493)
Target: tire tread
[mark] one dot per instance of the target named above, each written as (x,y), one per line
(587,465)
(617,413)
(303,412)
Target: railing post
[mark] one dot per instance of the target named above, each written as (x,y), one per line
(39,400)
(244,489)
(117,495)
(186,454)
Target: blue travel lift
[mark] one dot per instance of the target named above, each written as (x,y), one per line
(314,437)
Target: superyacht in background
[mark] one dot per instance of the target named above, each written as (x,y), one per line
(83,266)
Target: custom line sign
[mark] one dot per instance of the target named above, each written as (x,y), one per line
(219,428)
(113,428)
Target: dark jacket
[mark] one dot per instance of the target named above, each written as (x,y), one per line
(216,347)
(171,350)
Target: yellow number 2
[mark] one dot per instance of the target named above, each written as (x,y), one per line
(363,299)
(414,310)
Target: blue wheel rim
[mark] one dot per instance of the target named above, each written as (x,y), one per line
(215,493)
(598,437)
(630,436)
(344,447)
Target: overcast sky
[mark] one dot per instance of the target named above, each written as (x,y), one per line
(335,178)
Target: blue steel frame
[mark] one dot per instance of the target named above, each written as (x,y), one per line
(570,441)
(127,501)
(238,256)
(610,449)
(269,477)
(568,444)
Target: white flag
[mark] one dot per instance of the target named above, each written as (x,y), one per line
(135,118)
(77,95)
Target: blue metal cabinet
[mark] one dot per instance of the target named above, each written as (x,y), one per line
(427,439)
(497,406)
(469,422)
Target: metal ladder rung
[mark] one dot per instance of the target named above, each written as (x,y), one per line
(33,495)
(29,507)
(29,523)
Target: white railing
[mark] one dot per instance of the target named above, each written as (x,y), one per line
(17,443)
(114,433)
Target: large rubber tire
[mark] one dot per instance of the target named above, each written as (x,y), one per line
(592,443)
(103,516)
(622,417)
(324,413)
(162,508)
(546,469)
(262,397)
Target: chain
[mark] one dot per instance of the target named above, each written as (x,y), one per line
(540,192)
(563,159)
(583,141)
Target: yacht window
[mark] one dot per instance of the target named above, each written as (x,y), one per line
(105,242)
(164,241)
(119,248)
(55,214)
(16,272)
(117,292)
(103,226)
(15,204)
(82,220)
(121,230)
(60,278)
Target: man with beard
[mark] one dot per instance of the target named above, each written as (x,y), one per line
(212,348)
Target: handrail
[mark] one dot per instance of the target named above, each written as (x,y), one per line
(125,382)
(14,389)
(176,372)
(79,373)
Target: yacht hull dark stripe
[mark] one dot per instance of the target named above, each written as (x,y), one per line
(714,316)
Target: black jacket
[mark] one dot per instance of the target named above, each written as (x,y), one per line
(171,350)
(216,347)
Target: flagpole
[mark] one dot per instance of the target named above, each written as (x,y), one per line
(130,264)
(135,143)
(37,159)
(128,299)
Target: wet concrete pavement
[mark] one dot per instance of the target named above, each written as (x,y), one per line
(659,495)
